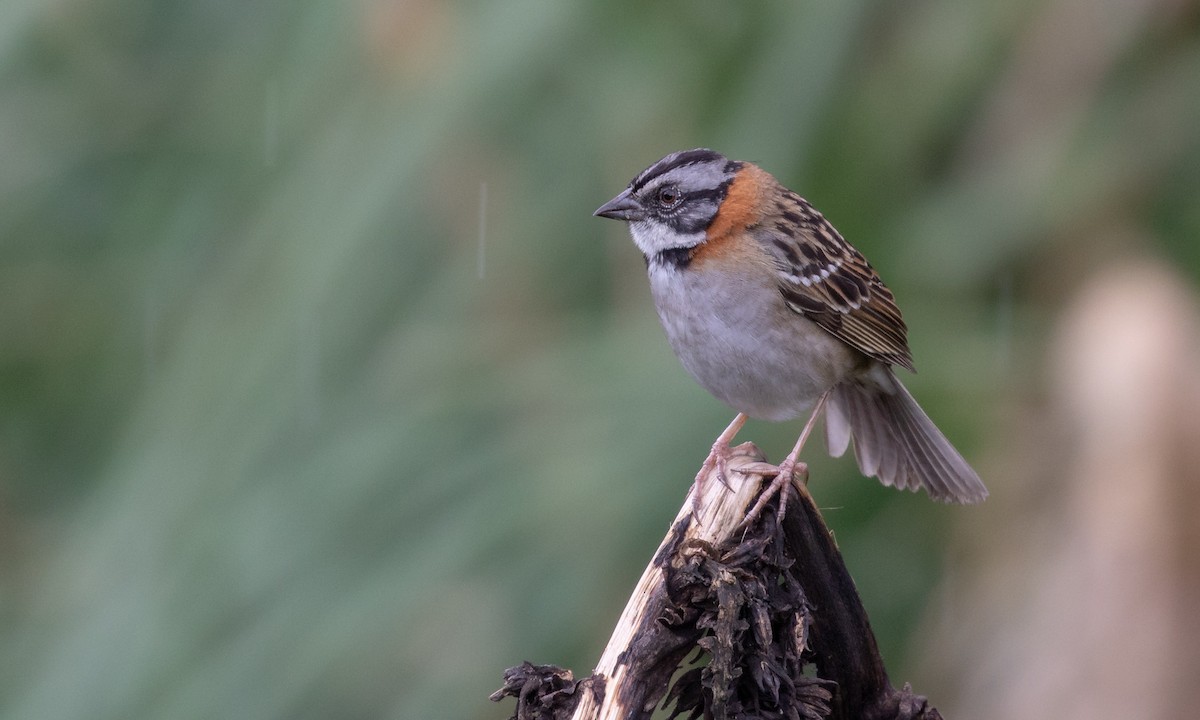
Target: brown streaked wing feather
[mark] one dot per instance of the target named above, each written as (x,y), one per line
(823,278)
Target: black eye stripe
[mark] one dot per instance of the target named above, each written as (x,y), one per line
(715,195)
(685,217)
(718,193)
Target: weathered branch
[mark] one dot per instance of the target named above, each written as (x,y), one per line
(764,605)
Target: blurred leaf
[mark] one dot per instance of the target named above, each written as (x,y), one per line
(324,395)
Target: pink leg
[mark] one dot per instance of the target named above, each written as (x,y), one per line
(718,457)
(786,471)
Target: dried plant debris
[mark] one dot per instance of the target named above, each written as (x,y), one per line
(755,619)
(544,692)
(747,611)
(902,704)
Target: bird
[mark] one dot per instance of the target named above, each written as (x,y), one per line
(775,314)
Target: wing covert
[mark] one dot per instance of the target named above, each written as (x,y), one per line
(825,279)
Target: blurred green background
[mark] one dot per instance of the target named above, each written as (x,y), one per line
(322,394)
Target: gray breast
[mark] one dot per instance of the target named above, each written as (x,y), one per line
(738,339)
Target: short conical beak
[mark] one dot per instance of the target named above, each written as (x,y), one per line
(622,207)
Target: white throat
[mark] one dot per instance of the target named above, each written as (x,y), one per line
(654,237)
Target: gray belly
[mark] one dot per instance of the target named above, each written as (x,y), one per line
(742,344)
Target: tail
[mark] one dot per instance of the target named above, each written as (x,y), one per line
(896,441)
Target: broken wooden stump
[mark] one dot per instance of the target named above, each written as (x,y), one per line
(732,622)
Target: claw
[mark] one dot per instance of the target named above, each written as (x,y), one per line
(717,458)
(723,468)
(785,475)
(765,469)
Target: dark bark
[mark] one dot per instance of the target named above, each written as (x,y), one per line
(772,610)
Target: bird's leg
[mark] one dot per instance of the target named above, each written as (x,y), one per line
(786,470)
(718,457)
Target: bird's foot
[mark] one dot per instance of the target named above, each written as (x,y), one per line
(718,458)
(785,474)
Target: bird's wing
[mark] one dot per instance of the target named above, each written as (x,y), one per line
(823,278)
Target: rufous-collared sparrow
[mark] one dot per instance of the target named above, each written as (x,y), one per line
(774,313)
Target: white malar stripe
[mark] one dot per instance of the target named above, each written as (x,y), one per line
(652,237)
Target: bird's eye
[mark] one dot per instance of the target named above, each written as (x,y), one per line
(669,196)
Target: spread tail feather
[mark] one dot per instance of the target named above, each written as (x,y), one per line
(896,441)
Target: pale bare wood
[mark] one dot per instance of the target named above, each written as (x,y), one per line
(721,514)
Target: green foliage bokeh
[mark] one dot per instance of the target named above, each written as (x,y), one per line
(322,394)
